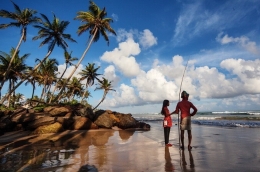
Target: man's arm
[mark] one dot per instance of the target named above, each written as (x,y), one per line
(177,109)
(194,109)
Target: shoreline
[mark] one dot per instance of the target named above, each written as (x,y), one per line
(214,149)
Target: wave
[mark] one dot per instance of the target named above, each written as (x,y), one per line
(224,120)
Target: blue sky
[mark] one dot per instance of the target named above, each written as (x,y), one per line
(155,40)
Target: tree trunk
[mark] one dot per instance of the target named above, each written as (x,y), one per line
(103,98)
(79,62)
(57,83)
(11,61)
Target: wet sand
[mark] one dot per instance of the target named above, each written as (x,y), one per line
(214,149)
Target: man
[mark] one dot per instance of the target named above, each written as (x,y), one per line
(184,106)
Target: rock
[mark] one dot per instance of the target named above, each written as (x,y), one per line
(56,111)
(69,115)
(83,123)
(50,128)
(125,121)
(65,122)
(7,124)
(143,126)
(41,121)
(86,112)
(24,117)
(105,121)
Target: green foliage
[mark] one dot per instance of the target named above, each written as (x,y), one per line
(39,108)
(4,108)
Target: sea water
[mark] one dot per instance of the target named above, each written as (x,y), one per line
(249,119)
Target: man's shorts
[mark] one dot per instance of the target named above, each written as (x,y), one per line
(186,123)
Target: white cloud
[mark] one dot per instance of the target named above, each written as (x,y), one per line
(153,87)
(62,67)
(163,82)
(196,19)
(122,57)
(124,96)
(243,41)
(115,17)
(109,73)
(147,39)
(248,73)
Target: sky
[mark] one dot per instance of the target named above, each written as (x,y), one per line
(212,45)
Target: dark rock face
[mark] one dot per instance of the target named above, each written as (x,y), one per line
(54,119)
(104,120)
(83,123)
(125,121)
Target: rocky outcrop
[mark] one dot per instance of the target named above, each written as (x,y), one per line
(54,119)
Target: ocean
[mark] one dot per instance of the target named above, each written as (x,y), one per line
(248,119)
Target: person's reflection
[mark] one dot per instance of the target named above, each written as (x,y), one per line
(184,163)
(168,161)
(125,134)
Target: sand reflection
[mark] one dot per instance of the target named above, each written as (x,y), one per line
(168,161)
(68,151)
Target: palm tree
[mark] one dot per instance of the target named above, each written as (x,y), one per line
(21,19)
(32,80)
(75,88)
(90,74)
(60,84)
(95,22)
(17,70)
(47,74)
(18,98)
(86,94)
(106,86)
(68,61)
(53,34)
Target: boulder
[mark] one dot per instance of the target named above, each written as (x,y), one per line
(143,126)
(24,117)
(41,121)
(50,128)
(125,121)
(7,124)
(83,123)
(56,111)
(86,112)
(104,120)
(65,122)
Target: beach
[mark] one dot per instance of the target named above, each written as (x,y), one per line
(114,150)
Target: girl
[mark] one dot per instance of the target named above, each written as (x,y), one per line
(167,122)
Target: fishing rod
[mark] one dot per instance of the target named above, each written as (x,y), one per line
(180,99)
(179,115)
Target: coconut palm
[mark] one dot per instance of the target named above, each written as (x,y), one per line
(68,61)
(22,18)
(60,84)
(46,74)
(90,74)
(18,98)
(106,86)
(53,34)
(17,70)
(32,80)
(75,88)
(95,22)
